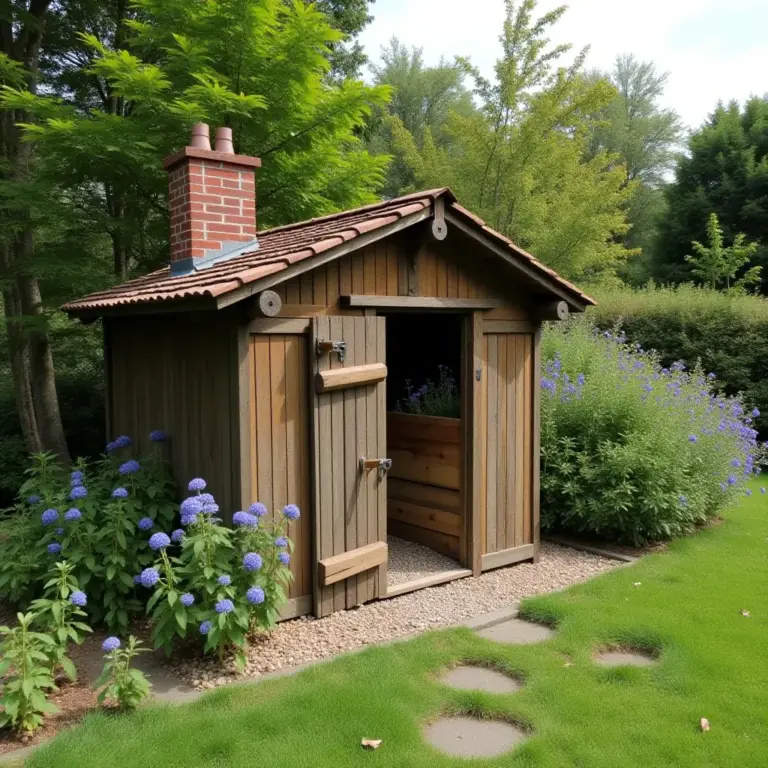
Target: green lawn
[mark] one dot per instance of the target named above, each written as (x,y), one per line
(714,664)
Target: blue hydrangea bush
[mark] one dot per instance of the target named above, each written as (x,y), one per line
(217,581)
(92,516)
(632,451)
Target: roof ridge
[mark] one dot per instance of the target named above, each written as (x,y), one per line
(433,193)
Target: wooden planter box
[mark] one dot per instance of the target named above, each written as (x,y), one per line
(424,484)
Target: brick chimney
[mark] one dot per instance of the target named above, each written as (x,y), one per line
(212,196)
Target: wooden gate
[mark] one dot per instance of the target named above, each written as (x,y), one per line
(349,438)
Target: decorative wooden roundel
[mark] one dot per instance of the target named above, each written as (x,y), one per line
(439,229)
(270,303)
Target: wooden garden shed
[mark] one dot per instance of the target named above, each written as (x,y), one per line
(275,360)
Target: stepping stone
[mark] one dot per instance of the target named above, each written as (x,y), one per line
(469,678)
(466,737)
(517,632)
(624,659)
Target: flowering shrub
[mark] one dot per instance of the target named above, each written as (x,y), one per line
(630,450)
(433,399)
(224,581)
(90,516)
(109,520)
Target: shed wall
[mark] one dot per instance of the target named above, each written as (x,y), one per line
(177,373)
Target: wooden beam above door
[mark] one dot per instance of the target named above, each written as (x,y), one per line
(418,302)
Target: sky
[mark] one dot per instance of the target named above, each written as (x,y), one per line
(712,49)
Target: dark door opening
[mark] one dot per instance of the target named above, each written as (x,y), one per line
(425,523)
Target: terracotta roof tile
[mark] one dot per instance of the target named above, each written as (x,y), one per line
(282,246)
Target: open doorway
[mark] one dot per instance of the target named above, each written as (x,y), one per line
(425,522)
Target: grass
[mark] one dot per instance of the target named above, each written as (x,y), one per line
(687,608)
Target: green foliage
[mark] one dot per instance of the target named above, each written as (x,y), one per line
(725,332)
(519,162)
(725,172)
(433,399)
(58,616)
(423,98)
(24,661)
(259,66)
(216,573)
(716,263)
(632,451)
(102,544)
(121,684)
(646,137)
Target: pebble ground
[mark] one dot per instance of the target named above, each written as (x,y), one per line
(306,639)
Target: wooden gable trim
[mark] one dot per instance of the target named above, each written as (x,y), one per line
(508,256)
(306,265)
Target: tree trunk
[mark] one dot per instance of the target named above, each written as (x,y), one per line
(29,343)
(18,350)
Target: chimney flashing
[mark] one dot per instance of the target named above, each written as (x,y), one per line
(210,154)
(184,267)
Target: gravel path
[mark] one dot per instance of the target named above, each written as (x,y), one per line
(409,561)
(306,639)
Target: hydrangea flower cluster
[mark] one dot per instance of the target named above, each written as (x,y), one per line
(33,499)
(76,478)
(190,509)
(110,644)
(159,541)
(129,467)
(122,442)
(54,548)
(149,577)
(120,493)
(78,492)
(291,512)
(258,509)
(281,542)
(146,524)
(158,436)
(187,599)
(177,536)
(252,561)
(49,517)
(71,515)
(78,598)
(225,606)
(255,595)
(245,520)
(224,580)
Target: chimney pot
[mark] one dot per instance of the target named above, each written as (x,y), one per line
(201,136)
(224,141)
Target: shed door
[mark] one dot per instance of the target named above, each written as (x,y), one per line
(350,496)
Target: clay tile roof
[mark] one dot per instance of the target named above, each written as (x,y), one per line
(283,246)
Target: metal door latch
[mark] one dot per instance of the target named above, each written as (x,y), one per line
(382,465)
(339,347)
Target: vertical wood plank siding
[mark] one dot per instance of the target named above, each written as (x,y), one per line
(508,441)
(443,270)
(279,436)
(179,374)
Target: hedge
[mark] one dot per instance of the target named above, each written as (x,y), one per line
(728,333)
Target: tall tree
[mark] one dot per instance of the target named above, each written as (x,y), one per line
(519,162)
(350,17)
(423,98)
(22,26)
(646,137)
(259,66)
(724,171)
